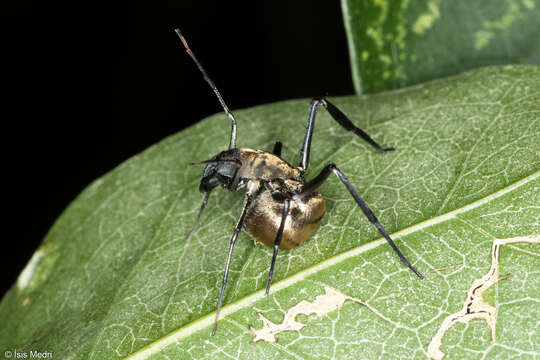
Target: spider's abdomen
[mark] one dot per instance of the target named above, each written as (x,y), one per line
(264,217)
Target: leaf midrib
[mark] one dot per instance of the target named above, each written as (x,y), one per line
(207,320)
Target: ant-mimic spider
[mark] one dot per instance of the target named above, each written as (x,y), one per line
(281,209)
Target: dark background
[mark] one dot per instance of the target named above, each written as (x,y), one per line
(89,84)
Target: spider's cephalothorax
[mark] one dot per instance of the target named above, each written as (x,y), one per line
(281,209)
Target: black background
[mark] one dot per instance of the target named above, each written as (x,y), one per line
(89,84)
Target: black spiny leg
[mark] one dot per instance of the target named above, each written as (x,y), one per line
(206,195)
(232,142)
(277,148)
(237,229)
(277,242)
(310,187)
(342,119)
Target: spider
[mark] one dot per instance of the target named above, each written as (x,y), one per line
(281,209)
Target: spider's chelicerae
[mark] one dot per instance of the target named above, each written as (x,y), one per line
(281,209)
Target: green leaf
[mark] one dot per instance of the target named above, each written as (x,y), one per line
(115,275)
(393,44)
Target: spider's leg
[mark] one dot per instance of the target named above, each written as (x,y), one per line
(203,205)
(232,142)
(342,119)
(277,242)
(312,186)
(248,199)
(277,148)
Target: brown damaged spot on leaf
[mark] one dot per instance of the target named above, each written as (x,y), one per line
(323,304)
(475,307)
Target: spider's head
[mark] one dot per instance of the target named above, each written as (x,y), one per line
(220,170)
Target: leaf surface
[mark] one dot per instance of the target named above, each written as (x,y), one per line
(115,276)
(397,43)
